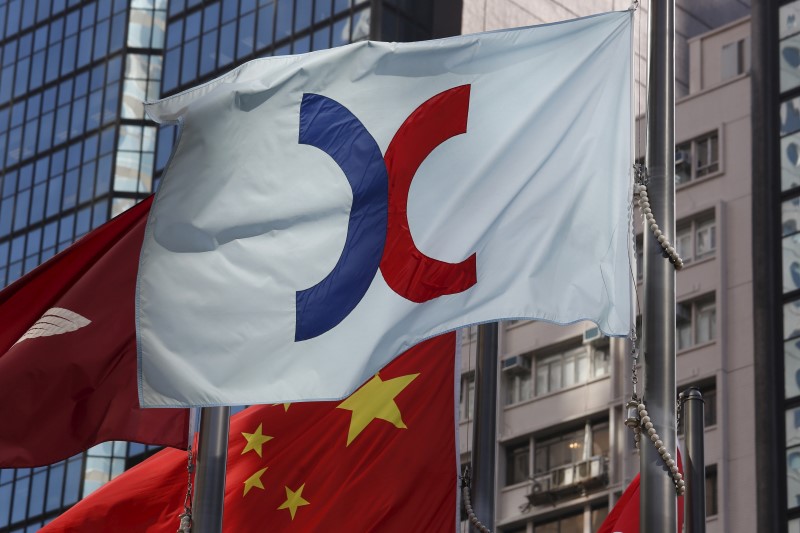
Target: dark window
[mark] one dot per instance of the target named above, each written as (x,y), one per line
(711,490)
(517,463)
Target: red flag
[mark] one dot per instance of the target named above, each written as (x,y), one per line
(624,517)
(383,459)
(68,352)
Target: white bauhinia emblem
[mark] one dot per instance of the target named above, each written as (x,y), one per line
(55,321)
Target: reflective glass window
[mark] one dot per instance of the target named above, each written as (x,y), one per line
(793,476)
(791,319)
(55,483)
(101,40)
(791,358)
(264,30)
(789,20)
(211,17)
(227,44)
(246,35)
(191,51)
(283,19)
(302,15)
(208,53)
(790,116)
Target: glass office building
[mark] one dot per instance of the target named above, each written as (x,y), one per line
(76,149)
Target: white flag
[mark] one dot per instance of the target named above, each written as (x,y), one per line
(324,212)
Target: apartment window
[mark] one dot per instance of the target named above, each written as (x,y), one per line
(696,239)
(467,402)
(695,322)
(517,463)
(735,58)
(697,158)
(570,447)
(711,491)
(553,371)
(598,515)
(566,524)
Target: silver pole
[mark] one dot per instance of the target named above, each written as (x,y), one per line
(659,500)
(483,436)
(694,461)
(209,483)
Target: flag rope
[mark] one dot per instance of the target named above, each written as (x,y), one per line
(640,194)
(638,420)
(186,515)
(465,486)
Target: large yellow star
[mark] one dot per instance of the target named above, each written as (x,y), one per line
(293,500)
(255,440)
(254,481)
(375,400)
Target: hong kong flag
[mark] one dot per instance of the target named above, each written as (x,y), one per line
(68,352)
(383,459)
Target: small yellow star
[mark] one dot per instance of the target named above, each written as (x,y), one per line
(375,400)
(255,440)
(293,500)
(254,481)
(285,406)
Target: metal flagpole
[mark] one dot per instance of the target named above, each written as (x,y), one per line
(485,428)
(212,456)
(693,461)
(658,503)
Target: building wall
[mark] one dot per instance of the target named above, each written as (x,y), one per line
(715,192)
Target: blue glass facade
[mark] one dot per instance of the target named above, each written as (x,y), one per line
(76,149)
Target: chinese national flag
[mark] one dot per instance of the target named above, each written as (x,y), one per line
(68,352)
(383,459)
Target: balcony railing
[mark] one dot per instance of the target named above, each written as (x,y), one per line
(569,480)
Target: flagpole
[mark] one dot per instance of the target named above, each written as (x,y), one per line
(658,505)
(485,424)
(212,456)
(692,407)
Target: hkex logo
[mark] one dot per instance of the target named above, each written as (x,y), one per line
(378,234)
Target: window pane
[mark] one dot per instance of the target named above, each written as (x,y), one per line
(517,464)
(790,162)
(791,358)
(600,440)
(790,63)
(706,239)
(706,323)
(791,319)
(600,361)
(789,19)
(555,376)
(793,477)
(790,116)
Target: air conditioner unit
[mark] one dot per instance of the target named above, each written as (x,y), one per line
(541,485)
(590,335)
(516,365)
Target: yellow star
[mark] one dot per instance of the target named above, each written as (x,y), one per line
(285,406)
(293,500)
(255,440)
(254,481)
(375,400)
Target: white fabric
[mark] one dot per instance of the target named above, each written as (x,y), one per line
(538,187)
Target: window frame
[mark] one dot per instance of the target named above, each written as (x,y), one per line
(694,307)
(692,171)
